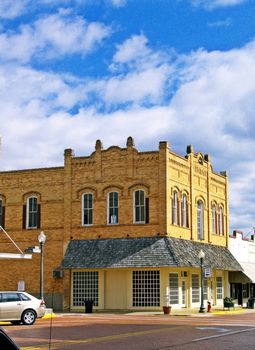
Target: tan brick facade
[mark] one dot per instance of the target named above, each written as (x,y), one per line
(123,170)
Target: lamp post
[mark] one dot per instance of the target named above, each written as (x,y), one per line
(201,256)
(41,239)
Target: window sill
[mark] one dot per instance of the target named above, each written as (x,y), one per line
(179,226)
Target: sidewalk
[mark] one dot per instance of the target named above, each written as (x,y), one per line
(174,312)
(195,312)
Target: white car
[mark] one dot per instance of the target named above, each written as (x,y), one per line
(20,307)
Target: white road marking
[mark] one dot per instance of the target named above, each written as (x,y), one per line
(218,329)
(224,335)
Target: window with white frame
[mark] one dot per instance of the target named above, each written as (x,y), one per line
(32,219)
(113,208)
(139,207)
(219,288)
(200,220)
(175,208)
(214,219)
(184,211)
(174,288)
(87,209)
(221,229)
(85,287)
(146,288)
(195,288)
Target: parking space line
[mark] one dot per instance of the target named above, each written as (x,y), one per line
(223,335)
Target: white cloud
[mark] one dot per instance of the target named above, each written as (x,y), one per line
(140,74)
(58,34)
(118,3)
(216,3)
(132,49)
(137,86)
(135,54)
(67,35)
(11,9)
(221,23)
(18,47)
(22,87)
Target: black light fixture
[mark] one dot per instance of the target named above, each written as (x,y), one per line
(41,239)
(201,256)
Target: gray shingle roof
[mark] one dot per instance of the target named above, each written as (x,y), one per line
(145,252)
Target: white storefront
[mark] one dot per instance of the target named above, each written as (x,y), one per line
(242,284)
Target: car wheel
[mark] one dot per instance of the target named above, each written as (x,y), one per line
(15,322)
(28,317)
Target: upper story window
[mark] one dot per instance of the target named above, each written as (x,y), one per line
(200,220)
(113,208)
(214,219)
(2,212)
(32,209)
(185,215)
(221,225)
(175,211)
(87,209)
(139,207)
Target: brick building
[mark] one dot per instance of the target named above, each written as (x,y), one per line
(122,226)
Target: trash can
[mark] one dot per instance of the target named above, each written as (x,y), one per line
(88,306)
(250,303)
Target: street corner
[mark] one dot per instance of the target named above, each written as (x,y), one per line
(49,314)
(230,312)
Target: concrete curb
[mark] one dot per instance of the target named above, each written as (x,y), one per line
(174,313)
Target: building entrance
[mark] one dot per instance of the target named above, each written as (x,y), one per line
(183,293)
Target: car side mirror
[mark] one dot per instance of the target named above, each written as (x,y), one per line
(6,342)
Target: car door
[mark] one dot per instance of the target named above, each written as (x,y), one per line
(11,306)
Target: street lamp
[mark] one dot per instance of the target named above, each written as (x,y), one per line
(201,256)
(41,239)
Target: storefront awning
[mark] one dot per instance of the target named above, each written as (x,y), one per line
(145,252)
(249,271)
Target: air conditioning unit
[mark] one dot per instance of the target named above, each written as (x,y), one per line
(58,273)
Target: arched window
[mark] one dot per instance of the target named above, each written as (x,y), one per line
(113,208)
(32,213)
(139,207)
(2,212)
(185,214)
(221,226)
(200,220)
(175,211)
(214,219)
(87,209)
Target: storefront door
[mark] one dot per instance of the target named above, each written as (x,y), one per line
(183,293)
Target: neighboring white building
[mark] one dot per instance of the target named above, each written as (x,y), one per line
(242,284)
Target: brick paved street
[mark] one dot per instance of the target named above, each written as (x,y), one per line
(138,331)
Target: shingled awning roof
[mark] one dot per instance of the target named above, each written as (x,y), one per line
(145,252)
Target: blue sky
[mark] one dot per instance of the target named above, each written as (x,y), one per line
(182,71)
